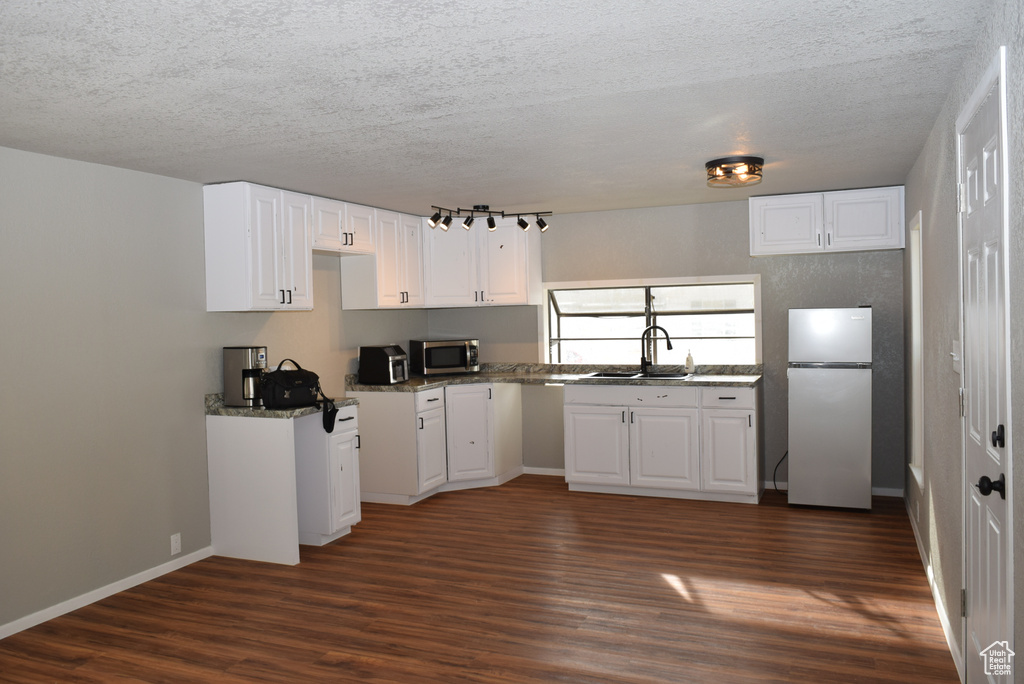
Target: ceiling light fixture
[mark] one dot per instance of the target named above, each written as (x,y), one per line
(483,209)
(734,172)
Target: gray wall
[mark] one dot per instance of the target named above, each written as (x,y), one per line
(108,352)
(938,503)
(713,239)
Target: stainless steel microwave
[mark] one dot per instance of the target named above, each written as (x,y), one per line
(435,357)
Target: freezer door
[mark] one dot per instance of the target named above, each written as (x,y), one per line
(830,335)
(830,437)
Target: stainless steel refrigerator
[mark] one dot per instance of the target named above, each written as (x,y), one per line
(830,407)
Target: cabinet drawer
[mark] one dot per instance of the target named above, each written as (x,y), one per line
(347,416)
(631,395)
(429,399)
(727,397)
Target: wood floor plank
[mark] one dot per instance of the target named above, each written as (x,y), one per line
(529,582)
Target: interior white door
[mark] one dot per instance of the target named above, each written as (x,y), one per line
(987,475)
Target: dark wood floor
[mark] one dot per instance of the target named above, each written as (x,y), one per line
(530,583)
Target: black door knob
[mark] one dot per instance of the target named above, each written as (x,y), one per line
(987,486)
(999,437)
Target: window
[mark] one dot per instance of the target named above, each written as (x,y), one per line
(718,322)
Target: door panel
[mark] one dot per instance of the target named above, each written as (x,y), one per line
(988,542)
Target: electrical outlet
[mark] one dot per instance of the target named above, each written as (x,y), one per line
(176,543)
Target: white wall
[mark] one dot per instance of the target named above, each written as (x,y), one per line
(108,352)
(938,503)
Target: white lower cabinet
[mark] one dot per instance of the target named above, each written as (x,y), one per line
(431,449)
(468,419)
(415,444)
(279,482)
(660,441)
(327,476)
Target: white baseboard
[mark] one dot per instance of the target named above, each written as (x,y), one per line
(63,607)
(947,629)
(554,472)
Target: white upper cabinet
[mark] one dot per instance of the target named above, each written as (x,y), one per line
(393,277)
(848,220)
(342,227)
(478,267)
(258,248)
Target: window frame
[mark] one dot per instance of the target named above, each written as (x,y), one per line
(744,279)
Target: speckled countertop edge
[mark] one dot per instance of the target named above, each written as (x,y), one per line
(543,374)
(215,407)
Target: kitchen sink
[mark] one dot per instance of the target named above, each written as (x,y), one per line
(613,374)
(663,376)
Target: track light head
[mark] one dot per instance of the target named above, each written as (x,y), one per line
(446,222)
(542,224)
(491,225)
(432,221)
(523,223)
(467,222)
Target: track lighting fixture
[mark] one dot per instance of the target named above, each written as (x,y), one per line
(482,209)
(734,172)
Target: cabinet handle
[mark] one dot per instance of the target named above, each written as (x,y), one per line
(282,296)
(358,442)
(623,416)
(434,399)
(421,423)
(481,295)
(726,398)
(289,296)
(344,239)
(489,393)
(351,239)
(631,416)
(342,420)
(750,420)
(476,297)
(830,239)
(819,239)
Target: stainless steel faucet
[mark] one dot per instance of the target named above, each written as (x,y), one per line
(643,346)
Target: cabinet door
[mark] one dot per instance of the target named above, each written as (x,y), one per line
(264,236)
(596,445)
(360,229)
(503,264)
(786,224)
(389,255)
(864,219)
(664,448)
(469,414)
(431,450)
(451,267)
(412,259)
(296,254)
(728,451)
(344,480)
(328,224)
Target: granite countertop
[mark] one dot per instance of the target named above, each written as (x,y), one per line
(215,407)
(546,374)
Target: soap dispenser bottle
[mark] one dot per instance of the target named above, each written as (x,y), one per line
(689,362)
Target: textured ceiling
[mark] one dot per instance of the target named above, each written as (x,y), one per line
(576,105)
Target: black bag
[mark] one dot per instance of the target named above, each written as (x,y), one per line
(286,389)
